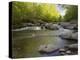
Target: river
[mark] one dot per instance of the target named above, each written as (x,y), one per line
(27,42)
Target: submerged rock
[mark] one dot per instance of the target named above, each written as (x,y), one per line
(48,49)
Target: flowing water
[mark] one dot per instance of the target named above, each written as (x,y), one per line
(26,43)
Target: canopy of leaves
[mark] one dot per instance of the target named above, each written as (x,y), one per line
(24,12)
(33,12)
(71,13)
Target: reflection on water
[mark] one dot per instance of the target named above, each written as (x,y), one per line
(26,43)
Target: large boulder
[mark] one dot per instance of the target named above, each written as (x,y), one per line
(65,32)
(68,25)
(72,27)
(52,26)
(64,24)
(68,35)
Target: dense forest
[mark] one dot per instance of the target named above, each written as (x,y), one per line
(23,12)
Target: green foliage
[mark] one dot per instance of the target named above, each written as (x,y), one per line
(71,13)
(33,12)
(23,12)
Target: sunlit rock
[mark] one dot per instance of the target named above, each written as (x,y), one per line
(28,28)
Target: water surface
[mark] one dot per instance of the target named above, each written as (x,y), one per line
(26,43)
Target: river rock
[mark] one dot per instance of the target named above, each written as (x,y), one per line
(69,35)
(62,53)
(52,26)
(73,46)
(48,49)
(62,50)
(28,28)
(68,25)
(65,33)
(71,26)
(64,24)
(30,24)
(75,36)
(76,28)
(68,52)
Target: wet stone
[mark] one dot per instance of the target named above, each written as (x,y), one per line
(68,52)
(62,50)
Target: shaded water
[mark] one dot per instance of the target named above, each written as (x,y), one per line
(26,43)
